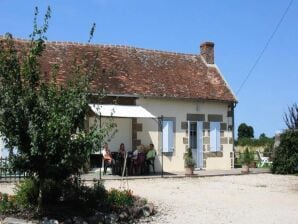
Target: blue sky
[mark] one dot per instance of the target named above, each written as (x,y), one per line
(240,30)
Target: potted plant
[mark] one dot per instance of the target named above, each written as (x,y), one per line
(247,159)
(189,162)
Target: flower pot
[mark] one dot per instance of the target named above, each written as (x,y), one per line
(189,170)
(245,168)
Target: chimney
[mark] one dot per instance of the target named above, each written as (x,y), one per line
(207,52)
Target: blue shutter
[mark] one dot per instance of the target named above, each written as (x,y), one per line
(171,136)
(214,136)
(217,136)
(168,136)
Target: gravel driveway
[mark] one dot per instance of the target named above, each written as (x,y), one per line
(261,198)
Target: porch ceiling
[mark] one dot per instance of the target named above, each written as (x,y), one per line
(111,110)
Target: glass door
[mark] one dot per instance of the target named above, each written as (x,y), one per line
(195,132)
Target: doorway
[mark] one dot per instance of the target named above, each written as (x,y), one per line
(195,136)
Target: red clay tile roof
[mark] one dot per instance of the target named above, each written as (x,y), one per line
(142,72)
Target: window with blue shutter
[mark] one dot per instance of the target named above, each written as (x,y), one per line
(214,136)
(168,136)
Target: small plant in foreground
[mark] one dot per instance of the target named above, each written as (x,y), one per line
(119,198)
(7,203)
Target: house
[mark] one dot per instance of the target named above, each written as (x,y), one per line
(172,100)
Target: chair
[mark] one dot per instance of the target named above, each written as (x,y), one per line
(106,164)
(263,159)
(150,162)
(96,160)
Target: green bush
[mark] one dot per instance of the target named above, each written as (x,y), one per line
(188,159)
(247,157)
(285,160)
(7,203)
(27,193)
(252,142)
(69,196)
(82,199)
(119,198)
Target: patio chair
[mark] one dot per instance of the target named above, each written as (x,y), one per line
(150,162)
(263,159)
(107,164)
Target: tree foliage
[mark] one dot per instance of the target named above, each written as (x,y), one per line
(42,119)
(285,159)
(245,131)
(291,119)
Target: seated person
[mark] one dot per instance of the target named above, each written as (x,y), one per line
(107,156)
(120,158)
(122,150)
(140,148)
(151,152)
(150,157)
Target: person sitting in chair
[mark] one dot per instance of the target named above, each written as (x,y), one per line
(107,156)
(150,157)
(122,150)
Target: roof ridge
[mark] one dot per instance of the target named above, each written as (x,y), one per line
(107,46)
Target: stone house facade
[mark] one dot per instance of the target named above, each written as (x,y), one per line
(191,102)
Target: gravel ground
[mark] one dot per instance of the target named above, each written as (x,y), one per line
(262,198)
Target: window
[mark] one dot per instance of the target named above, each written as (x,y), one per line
(214,136)
(168,135)
(193,135)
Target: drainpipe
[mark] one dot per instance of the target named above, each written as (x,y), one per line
(233,129)
(161,128)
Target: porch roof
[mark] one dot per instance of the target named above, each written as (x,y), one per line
(111,110)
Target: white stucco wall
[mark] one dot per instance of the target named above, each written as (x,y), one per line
(121,134)
(179,110)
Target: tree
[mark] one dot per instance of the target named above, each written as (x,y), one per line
(263,136)
(42,119)
(245,131)
(291,119)
(285,160)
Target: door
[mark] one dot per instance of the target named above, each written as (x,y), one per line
(199,144)
(195,136)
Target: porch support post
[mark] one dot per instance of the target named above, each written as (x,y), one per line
(161,128)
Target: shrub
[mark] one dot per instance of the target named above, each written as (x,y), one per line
(247,157)
(117,198)
(265,142)
(81,199)
(188,159)
(69,196)
(27,193)
(7,203)
(285,160)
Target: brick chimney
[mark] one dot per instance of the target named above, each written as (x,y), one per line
(207,52)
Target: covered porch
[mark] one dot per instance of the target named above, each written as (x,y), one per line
(126,118)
